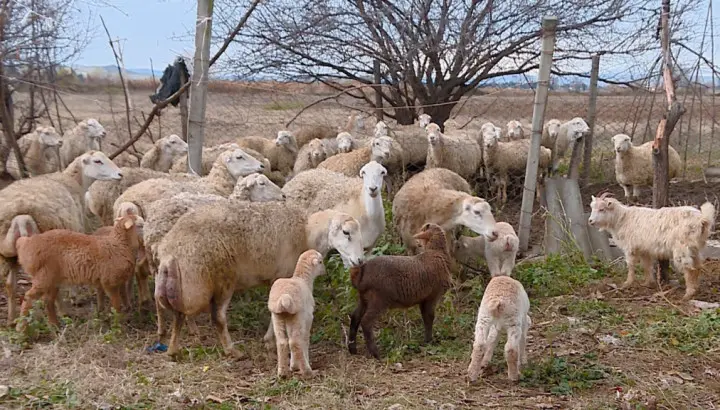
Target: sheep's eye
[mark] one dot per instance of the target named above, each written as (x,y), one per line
(97,161)
(239,157)
(172,141)
(261,183)
(477,213)
(346,233)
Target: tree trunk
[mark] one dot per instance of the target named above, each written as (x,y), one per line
(439,113)
(404,115)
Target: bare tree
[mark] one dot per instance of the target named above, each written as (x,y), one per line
(432,52)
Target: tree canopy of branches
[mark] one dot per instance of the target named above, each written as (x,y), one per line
(432,52)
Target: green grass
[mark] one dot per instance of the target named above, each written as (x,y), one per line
(667,328)
(558,275)
(564,376)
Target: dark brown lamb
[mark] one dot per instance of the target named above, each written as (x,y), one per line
(390,282)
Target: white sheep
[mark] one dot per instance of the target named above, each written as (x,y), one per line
(40,151)
(380,149)
(257,188)
(291,305)
(500,254)
(439,196)
(163,153)
(412,140)
(346,142)
(281,152)
(646,235)
(251,244)
(209,155)
(310,156)
(86,135)
(457,153)
(514,130)
(568,134)
(505,306)
(634,164)
(320,189)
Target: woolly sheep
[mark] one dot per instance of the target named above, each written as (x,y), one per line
(86,135)
(514,130)
(257,188)
(645,235)
(457,153)
(251,244)
(163,153)
(291,305)
(281,152)
(440,196)
(634,164)
(40,151)
(381,149)
(387,282)
(321,132)
(310,156)
(568,133)
(346,142)
(209,155)
(320,189)
(229,166)
(61,256)
(505,306)
(424,120)
(413,142)
(500,254)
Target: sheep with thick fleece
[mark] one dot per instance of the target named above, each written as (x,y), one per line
(60,256)
(634,164)
(413,142)
(281,152)
(251,244)
(500,254)
(257,188)
(51,201)
(505,306)
(163,153)
(209,155)
(320,189)
(382,150)
(307,134)
(310,156)
(457,153)
(291,305)
(229,166)
(388,282)
(345,143)
(514,130)
(440,196)
(568,133)
(40,152)
(85,136)
(645,235)
(504,158)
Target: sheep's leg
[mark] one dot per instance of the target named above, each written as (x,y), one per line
(100,296)
(636,192)
(427,309)
(523,341)
(692,279)
(297,346)
(626,188)
(649,268)
(33,294)
(631,270)
(219,316)
(126,294)
(355,319)
(479,349)
(9,272)
(282,345)
(512,351)
(173,348)
(50,298)
(503,182)
(141,276)
(372,313)
(116,300)
(493,265)
(161,330)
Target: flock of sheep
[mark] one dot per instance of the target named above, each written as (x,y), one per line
(268,211)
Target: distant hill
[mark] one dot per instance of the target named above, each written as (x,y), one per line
(111,71)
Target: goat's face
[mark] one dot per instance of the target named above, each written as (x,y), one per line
(344,236)
(381,148)
(241,164)
(621,142)
(381,129)
(601,211)
(476,214)
(48,137)
(261,189)
(372,174)
(553,128)
(173,145)
(316,151)
(96,165)
(577,128)
(344,142)
(424,120)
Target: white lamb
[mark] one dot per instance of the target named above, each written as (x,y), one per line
(515,130)
(646,235)
(291,305)
(634,164)
(505,306)
(85,136)
(500,254)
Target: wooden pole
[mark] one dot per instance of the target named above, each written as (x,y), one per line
(378,96)
(549,23)
(183,109)
(661,180)
(198,86)
(592,108)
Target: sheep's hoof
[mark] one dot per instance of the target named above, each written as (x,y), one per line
(234,353)
(514,378)
(649,283)
(283,374)
(352,348)
(308,374)
(689,295)
(627,284)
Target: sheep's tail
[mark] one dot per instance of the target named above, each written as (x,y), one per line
(168,285)
(356,275)
(495,308)
(708,212)
(285,304)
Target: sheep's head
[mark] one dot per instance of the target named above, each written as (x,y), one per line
(431,236)
(48,137)
(94,133)
(577,128)
(476,214)
(132,225)
(469,249)
(424,120)
(434,134)
(621,143)
(259,188)
(451,124)
(310,263)
(602,210)
(381,149)
(344,142)
(381,129)
(240,164)
(514,129)
(173,145)
(316,151)
(286,140)
(344,236)
(372,174)
(489,131)
(553,127)
(127,208)
(96,165)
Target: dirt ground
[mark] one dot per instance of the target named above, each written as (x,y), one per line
(591,345)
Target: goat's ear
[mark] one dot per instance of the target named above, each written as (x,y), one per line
(609,204)
(128,224)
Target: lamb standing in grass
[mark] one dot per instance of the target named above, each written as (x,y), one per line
(163,153)
(505,305)
(291,305)
(389,282)
(499,254)
(634,164)
(40,151)
(85,136)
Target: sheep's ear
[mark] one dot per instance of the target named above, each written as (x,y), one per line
(316,261)
(128,224)
(425,235)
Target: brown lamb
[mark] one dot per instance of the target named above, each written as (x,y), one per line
(61,256)
(389,282)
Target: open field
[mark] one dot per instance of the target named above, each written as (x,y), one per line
(591,346)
